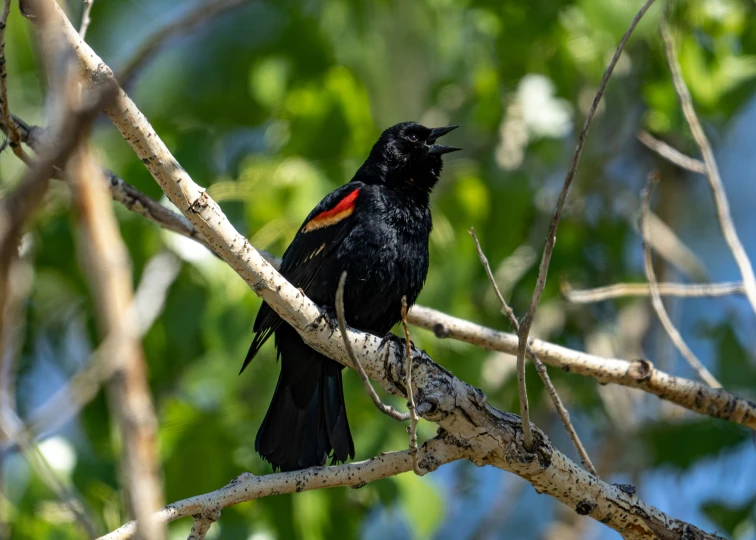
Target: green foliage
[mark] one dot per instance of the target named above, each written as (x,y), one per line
(274,105)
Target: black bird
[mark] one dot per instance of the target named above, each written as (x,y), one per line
(376,228)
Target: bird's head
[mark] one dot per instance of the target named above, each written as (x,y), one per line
(409,156)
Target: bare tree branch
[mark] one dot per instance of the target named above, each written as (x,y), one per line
(490,436)
(200,14)
(247,487)
(640,374)
(86,17)
(388,410)
(656,300)
(712,171)
(7,120)
(622,290)
(564,415)
(107,262)
(671,154)
(548,249)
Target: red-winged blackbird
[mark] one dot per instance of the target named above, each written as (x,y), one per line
(375,228)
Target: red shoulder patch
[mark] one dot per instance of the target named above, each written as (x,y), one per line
(341,211)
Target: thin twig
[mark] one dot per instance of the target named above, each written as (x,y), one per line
(7,120)
(548,249)
(86,18)
(540,367)
(202,524)
(656,300)
(622,290)
(712,171)
(412,428)
(106,259)
(202,13)
(388,410)
(671,154)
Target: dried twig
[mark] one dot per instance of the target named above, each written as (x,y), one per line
(86,17)
(671,154)
(622,290)
(712,171)
(656,300)
(106,260)
(388,410)
(202,13)
(412,428)
(548,249)
(7,120)
(540,368)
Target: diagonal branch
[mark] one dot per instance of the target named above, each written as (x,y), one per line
(388,410)
(106,260)
(656,300)
(6,119)
(712,171)
(548,249)
(671,154)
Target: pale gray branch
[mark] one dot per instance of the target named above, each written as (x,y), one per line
(671,154)
(656,299)
(712,171)
(623,290)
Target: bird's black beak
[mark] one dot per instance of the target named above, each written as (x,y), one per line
(440,148)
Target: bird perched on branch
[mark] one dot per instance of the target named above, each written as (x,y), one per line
(376,228)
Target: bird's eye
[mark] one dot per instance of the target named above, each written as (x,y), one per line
(412,137)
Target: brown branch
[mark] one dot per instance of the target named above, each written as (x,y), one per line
(548,249)
(388,410)
(672,155)
(564,415)
(656,300)
(412,428)
(622,290)
(7,120)
(106,260)
(200,14)
(712,171)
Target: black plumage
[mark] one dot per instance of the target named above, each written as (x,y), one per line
(376,228)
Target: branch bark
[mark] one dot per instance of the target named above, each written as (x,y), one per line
(623,290)
(490,436)
(640,374)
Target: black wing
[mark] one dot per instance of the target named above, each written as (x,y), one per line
(323,230)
